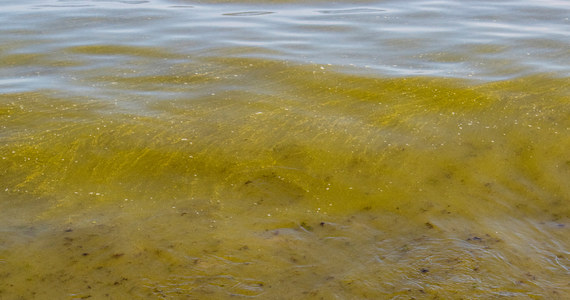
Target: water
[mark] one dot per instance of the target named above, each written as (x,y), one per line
(364,149)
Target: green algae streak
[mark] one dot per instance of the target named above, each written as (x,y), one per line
(303,182)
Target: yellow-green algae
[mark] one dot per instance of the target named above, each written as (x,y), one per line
(310,185)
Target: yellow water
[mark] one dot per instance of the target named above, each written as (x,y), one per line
(138,172)
(337,186)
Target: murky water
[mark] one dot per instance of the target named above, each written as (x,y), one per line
(283,150)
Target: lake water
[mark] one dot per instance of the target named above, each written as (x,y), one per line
(172,149)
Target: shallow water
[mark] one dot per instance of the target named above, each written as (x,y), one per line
(284,150)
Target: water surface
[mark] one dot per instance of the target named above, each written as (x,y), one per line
(279,149)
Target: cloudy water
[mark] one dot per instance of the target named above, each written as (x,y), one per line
(171,149)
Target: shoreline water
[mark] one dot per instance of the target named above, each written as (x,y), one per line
(360,150)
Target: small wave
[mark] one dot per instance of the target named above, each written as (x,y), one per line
(125,1)
(248,13)
(62,6)
(351,11)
